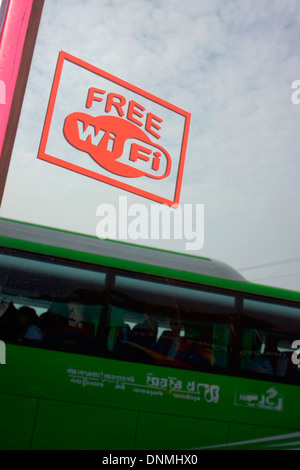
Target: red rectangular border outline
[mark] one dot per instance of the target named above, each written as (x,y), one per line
(43,156)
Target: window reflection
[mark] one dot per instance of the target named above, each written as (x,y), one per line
(50,305)
(170,325)
(267,335)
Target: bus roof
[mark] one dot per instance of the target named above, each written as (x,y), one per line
(80,247)
(115,249)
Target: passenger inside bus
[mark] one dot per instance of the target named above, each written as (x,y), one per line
(143,337)
(76,314)
(30,324)
(277,360)
(270,361)
(198,342)
(9,329)
(18,324)
(267,353)
(169,341)
(66,329)
(194,348)
(116,338)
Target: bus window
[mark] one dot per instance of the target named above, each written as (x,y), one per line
(268,331)
(49,304)
(171,325)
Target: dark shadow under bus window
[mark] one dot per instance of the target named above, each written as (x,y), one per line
(268,331)
(50,305)
(171,325)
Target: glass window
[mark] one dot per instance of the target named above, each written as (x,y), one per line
(268,331)
(169,324)
(3,8)
(49,305)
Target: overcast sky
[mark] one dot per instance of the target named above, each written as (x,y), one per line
(231,65)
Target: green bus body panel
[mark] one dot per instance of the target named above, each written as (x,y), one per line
(176,432)
(87,402)
(72,426)
(17,414)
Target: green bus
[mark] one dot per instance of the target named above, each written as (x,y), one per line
(109,345)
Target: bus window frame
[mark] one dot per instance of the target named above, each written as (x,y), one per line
(247,373)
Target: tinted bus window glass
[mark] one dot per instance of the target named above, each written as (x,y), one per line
(49,305)
(170,325)
(267,335)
